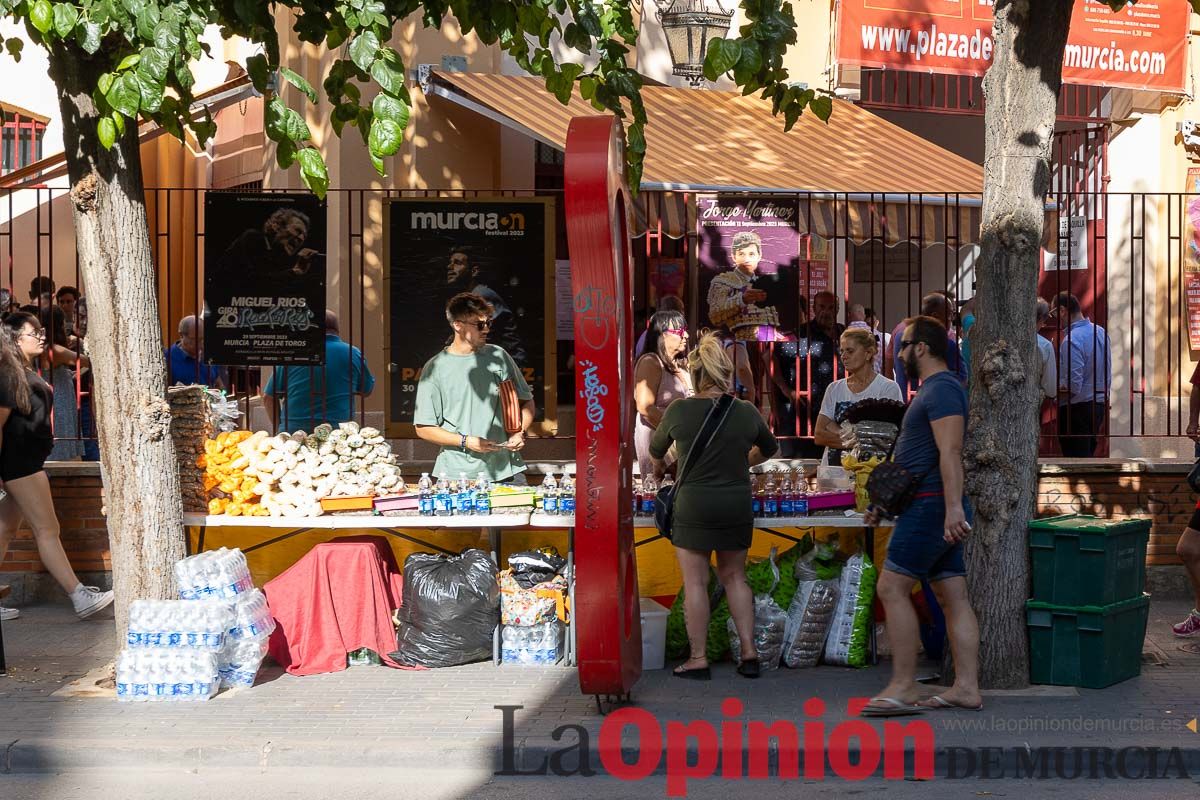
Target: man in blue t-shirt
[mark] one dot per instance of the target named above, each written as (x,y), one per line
(927,542)
(312,395)
(183,364)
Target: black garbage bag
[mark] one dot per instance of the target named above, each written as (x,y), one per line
(450,609)
(531,567)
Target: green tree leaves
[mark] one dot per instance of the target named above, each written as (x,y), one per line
(149,47)
(363,50)
(41,16)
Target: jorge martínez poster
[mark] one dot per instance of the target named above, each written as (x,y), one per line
(264,279)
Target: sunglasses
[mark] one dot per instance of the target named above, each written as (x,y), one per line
(905,343)
(481,326)
(680,332)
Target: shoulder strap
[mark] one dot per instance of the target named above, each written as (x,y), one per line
(712,424)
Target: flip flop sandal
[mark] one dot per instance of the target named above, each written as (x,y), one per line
(695,674)
(890,707)
(938,702)
(749,668)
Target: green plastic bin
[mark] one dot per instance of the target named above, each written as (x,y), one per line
(1080,560)
(1089,646)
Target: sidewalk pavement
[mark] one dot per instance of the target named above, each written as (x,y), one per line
(421,719)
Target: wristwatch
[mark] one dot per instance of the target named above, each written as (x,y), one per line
(462,441)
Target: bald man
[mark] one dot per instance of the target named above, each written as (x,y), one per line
(183,365)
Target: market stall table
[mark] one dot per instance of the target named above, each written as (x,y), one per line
(402,528)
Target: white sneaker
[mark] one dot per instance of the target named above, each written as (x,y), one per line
(89,599)
(8,613)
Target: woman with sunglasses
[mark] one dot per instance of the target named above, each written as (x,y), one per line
(660,377)
(857,350)
(26,440)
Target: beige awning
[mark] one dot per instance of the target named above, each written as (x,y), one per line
(859,176)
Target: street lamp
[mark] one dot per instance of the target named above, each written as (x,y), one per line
(689,26)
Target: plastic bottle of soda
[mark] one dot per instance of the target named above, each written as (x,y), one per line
(758,494)
(801,501)
(771,497)
(787,496)
(649,493)
(637,496)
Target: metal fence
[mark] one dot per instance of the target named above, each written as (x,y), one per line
(1128,258)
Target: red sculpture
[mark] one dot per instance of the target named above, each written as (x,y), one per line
(607,618)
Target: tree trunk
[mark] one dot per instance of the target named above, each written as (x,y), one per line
(144,509)
(1021,94)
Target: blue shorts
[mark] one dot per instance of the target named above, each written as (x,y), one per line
(917,547)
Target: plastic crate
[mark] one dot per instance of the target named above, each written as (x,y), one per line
(1088,646)
(1081,560)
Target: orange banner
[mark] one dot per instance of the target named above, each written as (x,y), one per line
(1143,46)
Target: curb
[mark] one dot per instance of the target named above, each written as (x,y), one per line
(536,758)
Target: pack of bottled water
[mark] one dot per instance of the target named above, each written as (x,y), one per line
(239,662)
(246,645)
(201,625)
(157,674)
(533,644)
(214,574)
(252,618)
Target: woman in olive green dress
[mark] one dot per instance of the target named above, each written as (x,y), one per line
(713,505)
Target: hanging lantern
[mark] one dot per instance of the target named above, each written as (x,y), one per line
(689,26)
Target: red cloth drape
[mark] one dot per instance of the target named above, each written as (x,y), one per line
(335,600)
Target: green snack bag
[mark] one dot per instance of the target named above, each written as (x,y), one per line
(850,630)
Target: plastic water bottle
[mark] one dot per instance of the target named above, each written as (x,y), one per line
(442,503)
(801,496)
(425,495)
(649,493)
(566,496)
(770,497)
(483,495)
(550,495)
(464,501)
(787,497)
(757,502)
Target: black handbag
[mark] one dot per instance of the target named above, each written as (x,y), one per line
(664,501)
(1193,477)
(891,487)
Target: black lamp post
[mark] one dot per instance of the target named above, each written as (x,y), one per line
(689,26)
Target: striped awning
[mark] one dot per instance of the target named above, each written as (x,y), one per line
(863,176)
(890,219)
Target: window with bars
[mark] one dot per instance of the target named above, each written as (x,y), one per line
(20,141)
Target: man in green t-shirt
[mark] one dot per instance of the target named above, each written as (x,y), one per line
(458,399)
